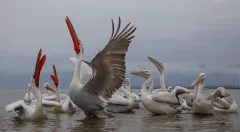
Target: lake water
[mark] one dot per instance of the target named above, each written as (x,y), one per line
(139,120)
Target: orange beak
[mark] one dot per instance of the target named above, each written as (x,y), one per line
(73,34)
(50,88)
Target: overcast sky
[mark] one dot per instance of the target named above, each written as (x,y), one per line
(188,37)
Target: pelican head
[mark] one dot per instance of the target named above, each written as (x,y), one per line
(147,72)
(200,79)
(29,87)
(184,97)
(47,87)
(127,81)
(139,94)
(169,88)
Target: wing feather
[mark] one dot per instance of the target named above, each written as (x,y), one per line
(50,103)
(118,99)
(109,65)
(52,97)
(14,105)
(165,97)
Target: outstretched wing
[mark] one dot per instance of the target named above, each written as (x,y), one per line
(109,64)
(14,105)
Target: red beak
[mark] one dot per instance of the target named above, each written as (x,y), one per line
(73,35)
(55,80)
(38,59)
(38,70)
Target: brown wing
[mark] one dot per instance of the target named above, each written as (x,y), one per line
(109,64)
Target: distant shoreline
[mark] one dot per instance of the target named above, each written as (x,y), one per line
(211,87)
(139,87)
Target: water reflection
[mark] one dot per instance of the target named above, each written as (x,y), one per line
(27,125)
(56,123)
(39,126)
(219,122)
(163,123)
(88,125)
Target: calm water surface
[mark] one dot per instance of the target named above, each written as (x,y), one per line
(137,121)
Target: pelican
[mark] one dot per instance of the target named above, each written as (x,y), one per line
(163,88)
(108,72)
(119,98)
(121,101)
(30,99)
(66,105)
(187,101)
(225,104)
(29,95)
(204,105)
(178,90)
(48,90)
(160,68)
(145,75)
(162,102)
(135,96)
(185,105)
(189,98)
(50,96)
(169,88)
(32,112)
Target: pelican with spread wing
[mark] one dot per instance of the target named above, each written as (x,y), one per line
(108,71)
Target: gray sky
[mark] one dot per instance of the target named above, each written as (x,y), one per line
(187,36)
